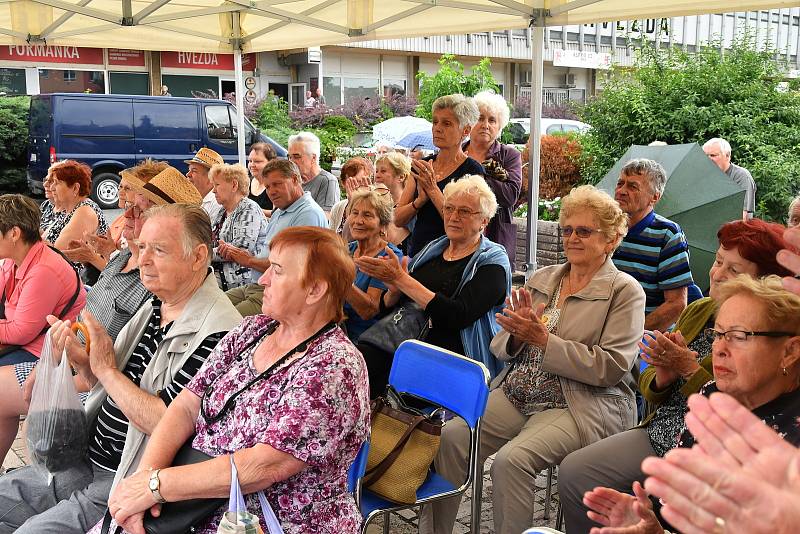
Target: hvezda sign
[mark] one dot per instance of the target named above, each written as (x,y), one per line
(204,60)
(52,54)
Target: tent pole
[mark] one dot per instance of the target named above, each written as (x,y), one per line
(239,87)
(537,62)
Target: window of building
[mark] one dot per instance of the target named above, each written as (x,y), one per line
(12,82)
(360,88)
(332,89)
(71,81)
(129,83)
(393,87)
(180,85)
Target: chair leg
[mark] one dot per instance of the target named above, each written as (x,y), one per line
(386,523)
(547,494)
(559,515)
(477,499)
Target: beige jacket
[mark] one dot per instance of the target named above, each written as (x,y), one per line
(209,311)
(593,348)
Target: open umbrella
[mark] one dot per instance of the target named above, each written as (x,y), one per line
(698,196)
(392,130)
(423,139)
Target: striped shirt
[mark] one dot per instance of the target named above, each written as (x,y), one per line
(116,296)
(656,253)
(108,438)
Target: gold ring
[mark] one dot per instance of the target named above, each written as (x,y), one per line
(719,525)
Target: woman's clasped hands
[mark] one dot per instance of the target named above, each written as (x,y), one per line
(522,321)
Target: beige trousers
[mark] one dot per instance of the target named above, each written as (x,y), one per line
(525,445)
(247,298)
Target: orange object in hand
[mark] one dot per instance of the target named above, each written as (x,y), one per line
(85,331)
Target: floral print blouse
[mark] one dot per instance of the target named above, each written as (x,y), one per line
(315,408)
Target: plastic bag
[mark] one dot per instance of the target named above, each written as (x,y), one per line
(237,520)
(57,430)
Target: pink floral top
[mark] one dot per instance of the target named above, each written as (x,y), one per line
(315,408)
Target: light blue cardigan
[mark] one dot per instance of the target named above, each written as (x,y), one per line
(478,335)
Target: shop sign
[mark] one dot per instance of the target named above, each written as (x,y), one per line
(40,53)
(120,57)
(204,60)
(582,60)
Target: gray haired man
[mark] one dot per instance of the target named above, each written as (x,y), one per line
(304,151)
(719,150)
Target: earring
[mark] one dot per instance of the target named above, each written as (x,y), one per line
(383,233)
(785,372)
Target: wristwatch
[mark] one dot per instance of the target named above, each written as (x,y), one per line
(154,484)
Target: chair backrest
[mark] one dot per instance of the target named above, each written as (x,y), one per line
(358,467)
(457,383)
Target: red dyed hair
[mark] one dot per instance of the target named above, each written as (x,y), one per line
(73,172)
(353,165)
(756,241)
(327,260)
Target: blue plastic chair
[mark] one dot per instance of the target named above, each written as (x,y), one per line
(458,384)
(357,470)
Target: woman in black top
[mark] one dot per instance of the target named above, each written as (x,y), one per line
(260,155)
(453,118)
(460,279)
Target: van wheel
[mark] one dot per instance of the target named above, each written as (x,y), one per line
(105,190)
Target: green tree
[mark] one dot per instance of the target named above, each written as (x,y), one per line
(13,143)
(677,97)
(451,79)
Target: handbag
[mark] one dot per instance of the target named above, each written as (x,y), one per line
(237,520)
(179,516)
(403,444)
(408,321)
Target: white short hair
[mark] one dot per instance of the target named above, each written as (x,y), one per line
(496,104)
(309,140)
(724,146)
(463,107)
(473,184)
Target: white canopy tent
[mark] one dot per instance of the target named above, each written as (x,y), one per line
(237,26)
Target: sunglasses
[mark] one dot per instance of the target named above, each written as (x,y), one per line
(583,232)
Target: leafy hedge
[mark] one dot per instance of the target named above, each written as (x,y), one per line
(13,143)
(682,98)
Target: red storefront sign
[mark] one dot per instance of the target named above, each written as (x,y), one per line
(52,54)
(204,60)
(125,58)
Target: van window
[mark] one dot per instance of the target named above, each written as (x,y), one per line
(165,120)
(40,116)
(248,128)
(96,116)
(553,129)
(219,123)
(571,128)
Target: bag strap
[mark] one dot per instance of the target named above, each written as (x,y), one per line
(75,295)
(107,524)
(378,471)
(237,503)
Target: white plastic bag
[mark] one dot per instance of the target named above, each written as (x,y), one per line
(237,520)
(57,430)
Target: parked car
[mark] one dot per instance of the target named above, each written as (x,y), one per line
(113,132)
(521,128)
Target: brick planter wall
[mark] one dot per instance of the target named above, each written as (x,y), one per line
(550,247)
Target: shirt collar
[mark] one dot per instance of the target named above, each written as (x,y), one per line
(644,223)
(32,257)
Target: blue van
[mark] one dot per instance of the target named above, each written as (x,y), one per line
(113,132)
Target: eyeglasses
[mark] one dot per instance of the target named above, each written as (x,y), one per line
(379,189)
(583,232)
(740,336)
(462,212)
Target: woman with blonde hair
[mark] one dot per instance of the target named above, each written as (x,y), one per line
(569,337)
(392,170)
(240,223)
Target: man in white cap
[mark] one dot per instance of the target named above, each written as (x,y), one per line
(199,165)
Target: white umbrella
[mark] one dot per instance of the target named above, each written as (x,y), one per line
(393,130)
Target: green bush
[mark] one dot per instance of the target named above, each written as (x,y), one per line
(681,98)
(13,143)
(273,113)
(336,131)
(451,79)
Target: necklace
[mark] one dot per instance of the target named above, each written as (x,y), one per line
(457,256)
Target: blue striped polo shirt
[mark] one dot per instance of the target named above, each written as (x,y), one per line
(656,253)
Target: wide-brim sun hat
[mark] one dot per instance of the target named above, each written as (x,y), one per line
(206,157)
(169,186)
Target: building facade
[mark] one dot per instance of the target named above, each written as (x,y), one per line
(576,60)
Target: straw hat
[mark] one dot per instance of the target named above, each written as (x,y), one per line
(131,178)
(206,157)
(170,187)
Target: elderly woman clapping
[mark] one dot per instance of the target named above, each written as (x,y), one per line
(680,363)
(460,279)
(503,166)
(756,360)
(370,216)
(453,118)
(239,224)
(570,337)
(295,431)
